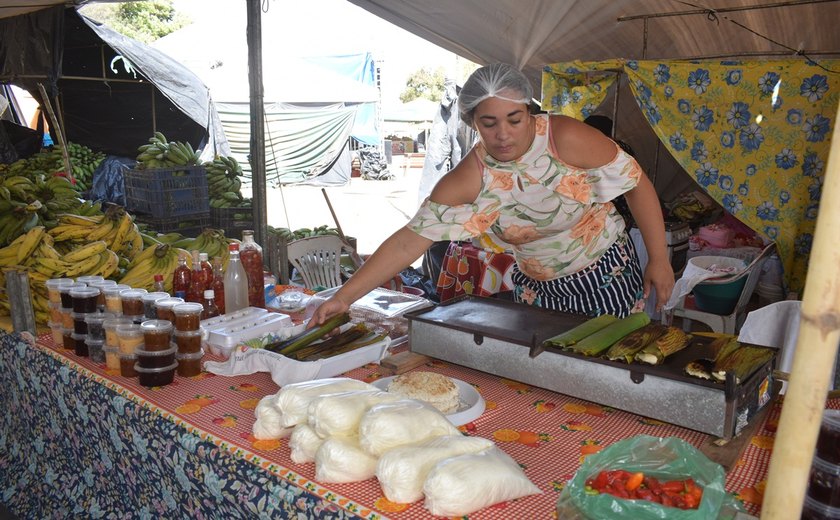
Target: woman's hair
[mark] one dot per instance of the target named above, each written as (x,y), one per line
(497,80)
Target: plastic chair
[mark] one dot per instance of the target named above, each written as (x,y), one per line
(730,323)
(318,260)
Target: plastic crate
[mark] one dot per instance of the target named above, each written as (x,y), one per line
(164,193)
(232,220)
(190,226)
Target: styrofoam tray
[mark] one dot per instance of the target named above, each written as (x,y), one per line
(230,319)
(471,407)
(242,330)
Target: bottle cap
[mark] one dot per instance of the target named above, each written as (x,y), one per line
(209,294)
(203,256)
(233,246)
(158,277)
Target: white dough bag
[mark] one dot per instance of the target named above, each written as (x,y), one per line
(402,471)
(293,400)
(464,484)
(406,421)
(339,414)
(341,460)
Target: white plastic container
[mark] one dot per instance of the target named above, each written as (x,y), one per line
(221,340)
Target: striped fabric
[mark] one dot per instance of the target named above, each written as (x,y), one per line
(612,285)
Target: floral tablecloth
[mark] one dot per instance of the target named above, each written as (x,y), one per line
(79,441)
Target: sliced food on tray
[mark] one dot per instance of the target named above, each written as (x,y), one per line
(743,361)
(673,340)
(626,348)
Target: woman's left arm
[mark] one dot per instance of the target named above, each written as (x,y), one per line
(644,204)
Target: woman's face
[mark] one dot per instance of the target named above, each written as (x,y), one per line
(504,127)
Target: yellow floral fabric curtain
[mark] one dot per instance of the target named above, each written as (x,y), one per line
(754,134)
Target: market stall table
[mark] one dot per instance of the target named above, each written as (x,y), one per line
(467,269)
(77,439)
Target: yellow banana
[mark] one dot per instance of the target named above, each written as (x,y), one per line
(82,268)
(105,228)
(140,273)
(136,244)
(87,250)
(30,242)
(122,230)
(56,266)
(111,264)
(78,220)
(70,232)
(46,250)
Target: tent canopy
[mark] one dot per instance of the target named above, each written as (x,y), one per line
(106,81)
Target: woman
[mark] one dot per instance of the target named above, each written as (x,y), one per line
(543,184)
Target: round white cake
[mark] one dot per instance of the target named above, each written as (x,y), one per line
(435,389)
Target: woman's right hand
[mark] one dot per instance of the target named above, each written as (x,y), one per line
(327,310)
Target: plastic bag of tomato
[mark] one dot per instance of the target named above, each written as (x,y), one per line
(646,477)
(683,494)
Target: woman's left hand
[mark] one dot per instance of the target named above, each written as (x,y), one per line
(660,276)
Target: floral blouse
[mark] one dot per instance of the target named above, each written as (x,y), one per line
(557,218)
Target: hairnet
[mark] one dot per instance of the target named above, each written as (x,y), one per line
(497,80)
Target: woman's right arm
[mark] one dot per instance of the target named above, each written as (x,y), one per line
(398,251)
(459,186)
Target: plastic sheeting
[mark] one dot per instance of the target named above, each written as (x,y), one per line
(108,103)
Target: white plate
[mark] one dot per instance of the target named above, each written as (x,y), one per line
(470,409)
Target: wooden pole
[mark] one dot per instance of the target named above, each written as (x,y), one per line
(257,145)
(354,255)
(816,350)
(59,133)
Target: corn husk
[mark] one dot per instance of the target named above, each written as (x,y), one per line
(575,334)
(597,343)
(743,362)
(672,341)
(626,348)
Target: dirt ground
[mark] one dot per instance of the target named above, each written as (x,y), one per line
(366,209)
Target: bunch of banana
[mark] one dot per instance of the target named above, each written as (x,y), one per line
(210,241)
(116,228)
(26,202)
(160,153)
(35,252)
(160,259)
(288,235)
(83,162)
(224,183)
(19,212)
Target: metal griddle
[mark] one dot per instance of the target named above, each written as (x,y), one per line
(506,339)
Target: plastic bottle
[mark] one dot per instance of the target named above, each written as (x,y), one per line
(181,278)
(236,282)
(252,261)
(159,286)
(210,310)
(207,270)
(218,284)
(195,292)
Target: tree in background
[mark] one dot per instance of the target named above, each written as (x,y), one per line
(424,83)
(429,84)
(143,21)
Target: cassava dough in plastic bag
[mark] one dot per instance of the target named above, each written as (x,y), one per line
(268,424)
(304,443)
(342,460)
(402,471)
(464,484)
(388,425)
(339,414)
(293,400)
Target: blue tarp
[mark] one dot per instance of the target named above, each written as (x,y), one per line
(362,68)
